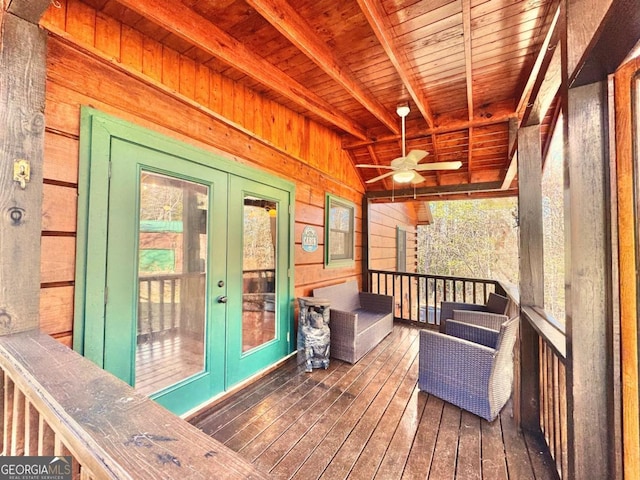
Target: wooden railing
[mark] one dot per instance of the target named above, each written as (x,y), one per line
(160,308)
(551,376)
(418,296)
(55,402)
(159,302)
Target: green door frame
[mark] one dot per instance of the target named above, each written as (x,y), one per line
(98,130)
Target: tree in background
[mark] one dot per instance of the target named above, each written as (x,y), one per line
(471,238)
(553,227)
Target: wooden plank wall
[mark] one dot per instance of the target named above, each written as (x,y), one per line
(94,60)
(384,218)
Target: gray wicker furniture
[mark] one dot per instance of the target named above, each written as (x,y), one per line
(474,377)
(358,320)
(495,304)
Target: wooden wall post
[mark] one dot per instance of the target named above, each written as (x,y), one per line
(22,98)
(365,244)
(588,305)
(531,269)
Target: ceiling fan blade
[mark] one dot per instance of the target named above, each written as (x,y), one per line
(439,166)
(398,162)
(416,155)
(368,165)
(380,177)
(417,178)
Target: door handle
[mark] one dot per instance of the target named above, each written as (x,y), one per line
(222,299)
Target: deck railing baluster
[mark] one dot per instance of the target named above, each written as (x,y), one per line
(551,383)
(174,315)
(414,292)
(161,308)
(149,308)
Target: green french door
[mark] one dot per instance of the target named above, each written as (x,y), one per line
(197,293)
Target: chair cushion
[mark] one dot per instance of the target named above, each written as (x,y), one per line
(366,319)
(497,304)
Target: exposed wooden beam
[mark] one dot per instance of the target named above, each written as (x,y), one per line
(292,26)
(29,10)
(548,90)
(437,190)
(199,31)
(603,36)
(450,127)
(530,90)
(434,142)
(379,21)
(466,29)
(512,170)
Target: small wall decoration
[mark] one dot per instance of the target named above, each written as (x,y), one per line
(309,239)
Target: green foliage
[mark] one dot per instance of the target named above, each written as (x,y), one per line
(471,238)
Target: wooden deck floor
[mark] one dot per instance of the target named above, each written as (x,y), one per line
(369,420)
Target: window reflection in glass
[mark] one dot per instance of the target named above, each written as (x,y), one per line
(259,272)
(172,281)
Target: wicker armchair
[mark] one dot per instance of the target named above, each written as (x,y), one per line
(474,377)
(495,304)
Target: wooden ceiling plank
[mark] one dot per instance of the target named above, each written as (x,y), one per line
(296,29)
(380,24)
(198,30)
(454,126)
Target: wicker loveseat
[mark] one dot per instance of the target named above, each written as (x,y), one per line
(475,377)
(358,320)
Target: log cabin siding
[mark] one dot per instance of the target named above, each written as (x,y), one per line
(384,219)
(94,60)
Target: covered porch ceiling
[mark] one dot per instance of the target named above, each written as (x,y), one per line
(468,69)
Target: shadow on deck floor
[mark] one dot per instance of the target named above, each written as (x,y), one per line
(369,420)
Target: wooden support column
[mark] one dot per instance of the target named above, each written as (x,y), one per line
(365,244)
(22,98)
(588,266)
(531,269)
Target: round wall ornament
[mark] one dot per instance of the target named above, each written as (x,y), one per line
(309,239)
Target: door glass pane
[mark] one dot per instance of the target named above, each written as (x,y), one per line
(259,272)
(172,281)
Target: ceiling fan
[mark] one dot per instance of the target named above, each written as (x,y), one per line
(405,169)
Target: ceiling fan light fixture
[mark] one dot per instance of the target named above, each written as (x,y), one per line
(404,176)
(403,109)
